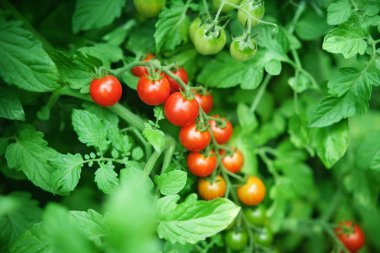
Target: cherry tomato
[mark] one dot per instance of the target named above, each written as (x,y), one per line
(153,92)
(209,190)
(264,237)
(236,240)
(181,73)
(255,8)
(193,27)
(106,91)
(242,50)
(140,71)
(193,139)
(206,101)
(226,7)
(181,111)
(149,8)
(350,235)
(201,165)
(256,216)
(233,162)
(252,192)
(209,39)
(222,135)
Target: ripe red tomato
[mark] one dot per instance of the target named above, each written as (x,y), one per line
(252,192)
(209,190)
(205,101)
(233,162)
(153,92)
(193,139)
(140,71)
(181,73)
(222,135)
(106,91)
(350,235)
(181,111)
(201,165)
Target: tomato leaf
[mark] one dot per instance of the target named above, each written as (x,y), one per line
(209,217)
(106,177)
(171,182)
(10,105)
(339,12)
(155,137)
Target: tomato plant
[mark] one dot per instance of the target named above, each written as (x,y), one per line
(189,126)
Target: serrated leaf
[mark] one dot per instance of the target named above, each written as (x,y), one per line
(172,27)
(90,15)
(166,205)
(247,120)
(68,169)
(155,137)
(331,142)
(301,83)
(277,44)
(90,129)
(23,60)
(142,39)
(108,53)
(311,26)
(299,133)
(339,12)
(209,218)
(34,240)
(345,79)
(171,182)
(106,177)
(347,39)
(10,105)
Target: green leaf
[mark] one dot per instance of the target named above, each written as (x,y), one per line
(134,175)
(347,39)
(311,26)
(277,44)
(225,72)
(10,105)
(106,177)
(23,60)
(68,169)
(3,145)
(375,163)
(345,79)
(299,177)
(137,153)
(34,240)
(142,39)
(208,217)
(90,15)
(299,133)
(108,53)
(155,137)
(171,182)
(30,154)
(18,212)
(90,129)
(273,67)
(300,84)
(339,12)
(172,27)
(247,120)
(331,142)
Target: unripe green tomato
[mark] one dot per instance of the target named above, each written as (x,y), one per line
(240,51)
(236,240)
(226,7)
(255,8)
(256,216)
(264,237)
(195,24)
(206,43)
(149,8)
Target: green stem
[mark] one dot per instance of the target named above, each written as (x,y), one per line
(147,147)
(333,205)
(128,116)
(297,15)
(168,156)
(151,162)
(206,7)
(260,94)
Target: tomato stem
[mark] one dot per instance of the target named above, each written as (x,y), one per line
(260,94)
(151,162)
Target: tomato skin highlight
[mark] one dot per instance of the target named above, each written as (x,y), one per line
(208,190)
(254,9)
(153,92)
(182,74)
(201,165)
(352,241)
(193,139)
(106,91)
(222,135)
(252,192)
(207,44)
(236,240)
(181,111)
(140,71)
(149,8)
(205,101)
(234,162)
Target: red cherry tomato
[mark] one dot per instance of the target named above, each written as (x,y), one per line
(193,139)
(140,71)
(222,135)
(201,165)
(233,162)
(181,73)
(350,235)
(153,92)
(252,192)
(181,111)
(205,101)
(106,91)
(209,190)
